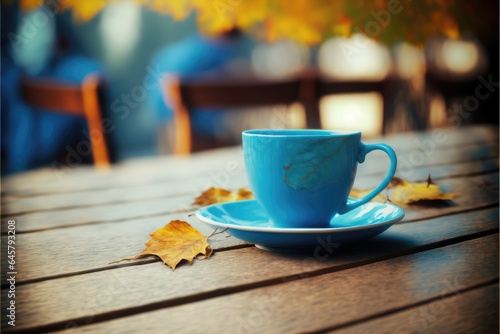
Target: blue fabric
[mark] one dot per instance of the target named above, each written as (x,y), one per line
(18,123)
(32,137)
(191,56)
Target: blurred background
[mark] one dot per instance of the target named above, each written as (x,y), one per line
(439,61)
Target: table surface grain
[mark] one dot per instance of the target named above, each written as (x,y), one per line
(435,271)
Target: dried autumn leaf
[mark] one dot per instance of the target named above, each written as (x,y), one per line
(401,192)
(175,242)
(220,195)
(406,192)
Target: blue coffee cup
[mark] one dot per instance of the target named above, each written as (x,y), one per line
(302,178)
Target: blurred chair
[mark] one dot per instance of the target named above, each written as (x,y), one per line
(184,95)
(85,100)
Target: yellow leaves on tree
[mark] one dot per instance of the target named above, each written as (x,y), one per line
(25,5)
(175,242)
(219,195)
(403,192)
(307,21)
(83,10)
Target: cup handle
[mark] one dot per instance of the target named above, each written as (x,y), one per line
(364,150)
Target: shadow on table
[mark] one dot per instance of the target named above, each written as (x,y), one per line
(367,250)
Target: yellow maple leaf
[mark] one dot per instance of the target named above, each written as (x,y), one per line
(220,195)
(175,242)
(407,192)
(401,192)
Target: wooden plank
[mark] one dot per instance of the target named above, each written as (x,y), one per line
(446,138)
(472,192)
(87,295)
(377,247)
(72,242)
(154,170)
(474,311)
(137,172)
(50,202)
(156,207)
(88,248)
(13,205)
(307,304)
(98,214)
(409,163)
(417,148)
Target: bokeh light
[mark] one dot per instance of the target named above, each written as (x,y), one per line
(120,29)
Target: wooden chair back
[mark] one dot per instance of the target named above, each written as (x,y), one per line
(84,100)
(185,95)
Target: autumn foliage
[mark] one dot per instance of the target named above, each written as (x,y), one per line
(175,242)
(403,192)
(308,21)
(220,195)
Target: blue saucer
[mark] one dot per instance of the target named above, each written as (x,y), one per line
(246,220)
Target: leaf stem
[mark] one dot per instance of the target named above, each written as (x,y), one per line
(215,232)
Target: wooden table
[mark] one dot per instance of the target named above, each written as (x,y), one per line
(436,271)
